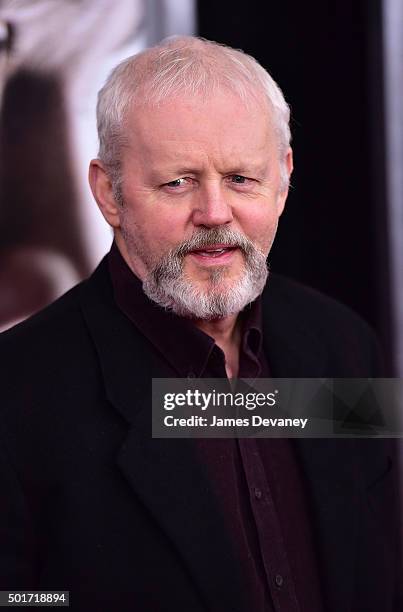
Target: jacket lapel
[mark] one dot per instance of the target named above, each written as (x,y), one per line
(331,478)
(293,351)
(163,473)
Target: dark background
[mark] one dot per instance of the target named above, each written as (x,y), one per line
(327,58)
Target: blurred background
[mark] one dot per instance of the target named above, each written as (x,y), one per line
(340,66)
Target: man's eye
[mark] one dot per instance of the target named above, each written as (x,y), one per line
(176,183)
(239,179)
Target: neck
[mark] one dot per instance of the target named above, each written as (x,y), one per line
(227,335)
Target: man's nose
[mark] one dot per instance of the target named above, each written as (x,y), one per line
(212,208)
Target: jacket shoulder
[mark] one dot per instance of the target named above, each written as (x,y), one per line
(59,317)
(62,317)
(312,306)
(47,356)
(310,320)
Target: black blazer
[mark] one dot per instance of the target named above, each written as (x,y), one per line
(92,504)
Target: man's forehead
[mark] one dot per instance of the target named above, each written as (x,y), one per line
(182,131)
(171,156)
(219,109)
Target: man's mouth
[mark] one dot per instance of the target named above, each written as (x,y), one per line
(217,252)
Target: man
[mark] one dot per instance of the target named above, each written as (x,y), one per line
(192,175)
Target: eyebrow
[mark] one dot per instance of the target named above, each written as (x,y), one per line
(247,169)
(156,174)
(184,170)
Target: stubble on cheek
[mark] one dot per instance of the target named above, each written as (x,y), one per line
(136,243)
(265,241)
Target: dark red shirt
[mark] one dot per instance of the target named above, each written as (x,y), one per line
(258,482)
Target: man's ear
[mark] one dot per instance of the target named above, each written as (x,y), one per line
(102,191)
(282,196)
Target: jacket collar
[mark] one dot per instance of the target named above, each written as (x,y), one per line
(191,356)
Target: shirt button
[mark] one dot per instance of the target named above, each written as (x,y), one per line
(191,374)
(279,580)
(258,493)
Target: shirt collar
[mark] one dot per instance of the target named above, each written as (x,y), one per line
(178,340)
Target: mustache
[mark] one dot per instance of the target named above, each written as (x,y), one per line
(204,238)
(170,267)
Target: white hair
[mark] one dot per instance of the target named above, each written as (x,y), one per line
(168,285)
(183,65)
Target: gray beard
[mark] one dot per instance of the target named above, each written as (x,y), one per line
(167,284)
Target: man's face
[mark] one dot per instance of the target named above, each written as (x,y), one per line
(201,184)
